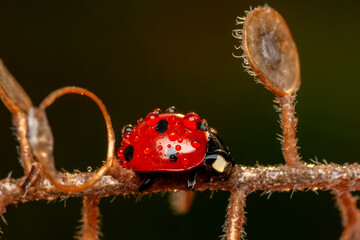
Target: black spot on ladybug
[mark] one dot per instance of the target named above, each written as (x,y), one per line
(203,126)
(128,153)
(173,157)
(161,126)
(171,109)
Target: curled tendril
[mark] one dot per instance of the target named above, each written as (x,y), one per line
(41,138)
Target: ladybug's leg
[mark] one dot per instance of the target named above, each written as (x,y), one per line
(148,182)
(191,181)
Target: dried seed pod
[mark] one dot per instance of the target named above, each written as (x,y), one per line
(271,51)
(11,92)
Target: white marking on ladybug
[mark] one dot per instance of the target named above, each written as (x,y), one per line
(220,164)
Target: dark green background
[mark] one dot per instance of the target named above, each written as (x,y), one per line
(140,55)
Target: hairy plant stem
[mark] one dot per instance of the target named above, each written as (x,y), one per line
(350,216)
(288,124)
(90,219)
(280,178)
(235,217)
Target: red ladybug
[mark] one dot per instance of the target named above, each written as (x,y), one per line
(172,142)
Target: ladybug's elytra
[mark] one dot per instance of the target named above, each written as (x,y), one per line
(172,142)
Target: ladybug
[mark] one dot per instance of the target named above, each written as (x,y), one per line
(173,142)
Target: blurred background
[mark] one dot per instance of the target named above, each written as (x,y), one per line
(141,55)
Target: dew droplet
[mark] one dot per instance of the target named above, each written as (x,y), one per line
(157,111)
(147,151)
(177,147)
(173,136)
(171,109)
(136,138)
(195,144)
(169,145)
(119,152)
(126,129)
(152,119)
(190,120)
(176,125)
(126,138)
(186,133)
(159,147)
(185,161)
(140,120)
(89,169)
(180,140)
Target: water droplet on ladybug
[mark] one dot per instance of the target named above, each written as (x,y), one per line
(177,147)
(160,147)
(180,140)
(126,138)
(119,152)
(147,151)
(186,133)
(136,138)
(126,129)
(171,109)
(190,120)
(195,144)
(140,120)
(157,111)
(176,125)
(185,161)
(169,145)
(152,119)
(173,136)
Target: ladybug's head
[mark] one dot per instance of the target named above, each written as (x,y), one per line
(218,156)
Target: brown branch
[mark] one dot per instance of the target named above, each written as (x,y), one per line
(26,156)
(288,124)
(350,216)
(18,103)
(280,178)
(11,92)
(90,220)
(235,220)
